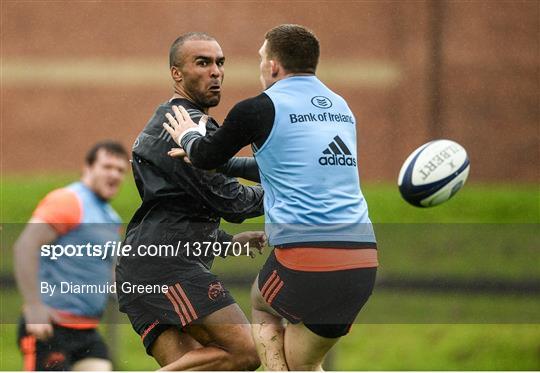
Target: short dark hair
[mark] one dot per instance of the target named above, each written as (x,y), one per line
(294,46)
(174,59)
(110,146)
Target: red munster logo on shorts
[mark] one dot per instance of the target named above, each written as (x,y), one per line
(215,290)
(55,360)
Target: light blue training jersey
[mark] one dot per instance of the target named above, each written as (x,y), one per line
(91,221)
(309,167)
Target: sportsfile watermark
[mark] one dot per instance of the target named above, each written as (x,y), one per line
(119,249)
(52,289)
(427,273)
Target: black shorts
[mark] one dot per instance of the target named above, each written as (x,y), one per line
(186,301)
(62,350)
(326,302)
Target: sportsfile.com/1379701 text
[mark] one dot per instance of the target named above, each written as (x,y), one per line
(116,248)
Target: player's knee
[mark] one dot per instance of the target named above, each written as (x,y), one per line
(93,364)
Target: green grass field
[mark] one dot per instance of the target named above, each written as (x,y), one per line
(486,231)
(386,342)
(501,203)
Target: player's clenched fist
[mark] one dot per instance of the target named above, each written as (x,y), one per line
(38,321)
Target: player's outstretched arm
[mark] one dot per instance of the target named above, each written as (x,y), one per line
(240,128)
(244,167)
(26,258)
(232,200)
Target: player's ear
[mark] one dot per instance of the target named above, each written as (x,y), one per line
(274,68)
(176,74)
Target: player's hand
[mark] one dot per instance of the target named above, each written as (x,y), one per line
(255,239)
(181,122)
(179,153)
(38,320)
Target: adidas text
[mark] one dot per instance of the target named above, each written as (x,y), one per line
(337,160)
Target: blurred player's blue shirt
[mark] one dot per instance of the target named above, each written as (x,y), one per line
(308,167)
(80,217)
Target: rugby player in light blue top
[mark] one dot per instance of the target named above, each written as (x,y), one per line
(65,295)
(322,270)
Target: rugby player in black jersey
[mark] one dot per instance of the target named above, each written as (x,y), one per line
(323,266)
(195,324)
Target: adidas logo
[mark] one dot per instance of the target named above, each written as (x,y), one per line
(337,154)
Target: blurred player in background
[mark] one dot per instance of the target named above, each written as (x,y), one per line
(196,324)
(58,331)
(303,136)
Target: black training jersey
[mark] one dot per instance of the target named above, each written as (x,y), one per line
(181,202)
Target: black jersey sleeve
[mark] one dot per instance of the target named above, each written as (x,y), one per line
(244,167)
(249,122)
(232,200)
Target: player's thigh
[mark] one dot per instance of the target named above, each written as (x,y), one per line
(171,345)
(227,327)
(92,364)
(305,350)
(88,350)
(257,301)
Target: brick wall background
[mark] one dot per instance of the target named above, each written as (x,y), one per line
(412,71)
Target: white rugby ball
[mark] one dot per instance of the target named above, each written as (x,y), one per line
(433,173)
